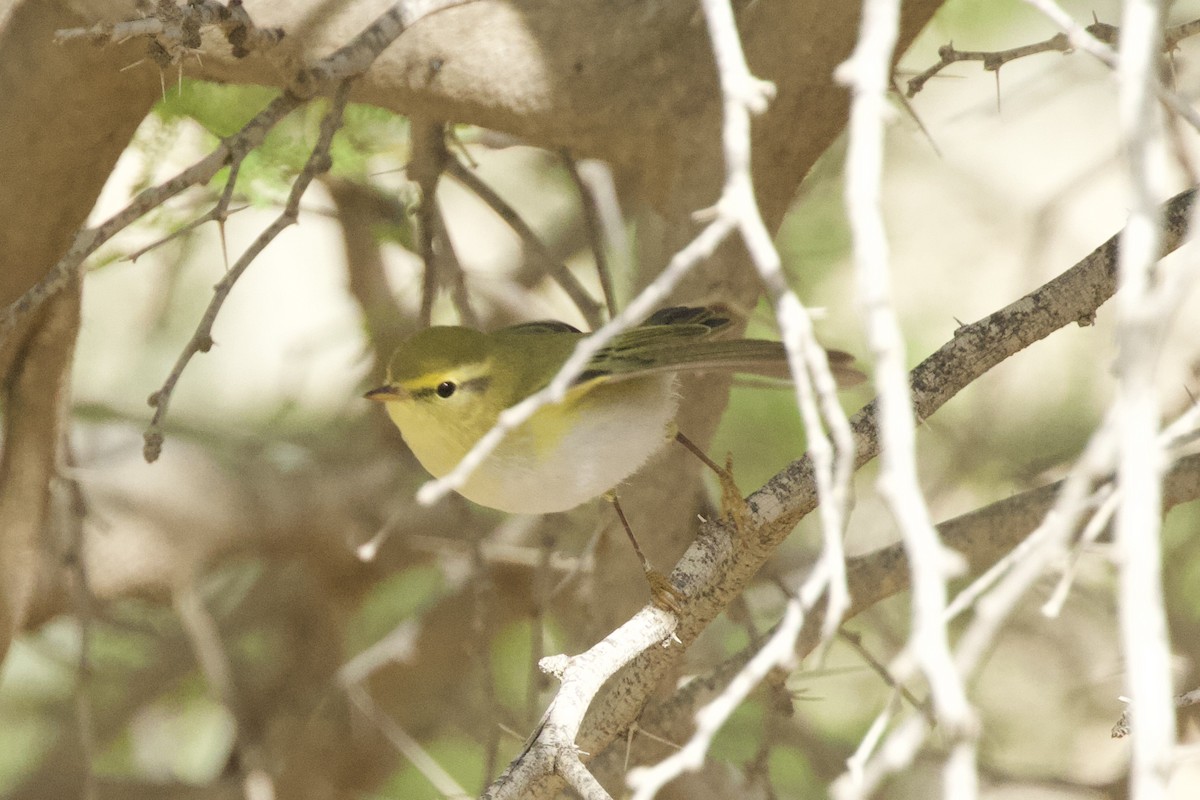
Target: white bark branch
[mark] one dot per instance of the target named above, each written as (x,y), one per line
(1142,320)
(868,73)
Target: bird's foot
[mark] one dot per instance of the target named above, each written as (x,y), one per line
(663,593)
(734,508)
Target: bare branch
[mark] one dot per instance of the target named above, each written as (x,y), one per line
(1143,317)
(345,63)
(356,57)
(87,241)
(429,158)
(201,341)
(176,29)
(867,72)
(1071,297)
(581,677)
(986,536)
(588,308)
(1086,41)
(778,649)
(993,60)
(597,225)
(815,388)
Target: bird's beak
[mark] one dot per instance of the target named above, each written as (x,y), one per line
(384,394)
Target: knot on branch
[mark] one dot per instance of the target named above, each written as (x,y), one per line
(173,31)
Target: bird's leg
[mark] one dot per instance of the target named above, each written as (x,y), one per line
(732,504)
(663,593)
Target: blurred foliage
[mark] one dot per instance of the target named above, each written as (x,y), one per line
(989,25)
(792,776)
(392,600)
(511,651)
(220,110)
(459,754)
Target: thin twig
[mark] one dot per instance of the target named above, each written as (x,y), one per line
(71,510)
(176,29)
(778,649)
(542,585)
(1081,38)
(880,669)
(215,214)
(205,638)
(357,56)
(594,225)
(347,62)
(458,277)
(201,341)
(827,432)
(405,744)
(429,158)
(589,309)
(483,603)
(993,60)
(88,240)
(219,213)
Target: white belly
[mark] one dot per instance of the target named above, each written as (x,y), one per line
(604,444)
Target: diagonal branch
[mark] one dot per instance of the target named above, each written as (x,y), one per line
(318,162)
(588,308)
(984,536)
(230,151)
(720,563)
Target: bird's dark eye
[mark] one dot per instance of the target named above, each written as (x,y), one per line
(446,388)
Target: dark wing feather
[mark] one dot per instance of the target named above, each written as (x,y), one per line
(677,339)
(543,326)
(747,356)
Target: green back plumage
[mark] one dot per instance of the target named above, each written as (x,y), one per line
(679,338)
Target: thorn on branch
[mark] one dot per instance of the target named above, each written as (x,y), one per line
(1123,726)
(201,341)
(1060,42)
(174,31)
(757,95)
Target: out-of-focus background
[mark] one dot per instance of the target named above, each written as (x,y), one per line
(994,184)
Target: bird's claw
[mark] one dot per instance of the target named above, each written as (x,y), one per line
(733,507)
(663,593)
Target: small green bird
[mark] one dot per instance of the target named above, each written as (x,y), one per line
(447,385)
